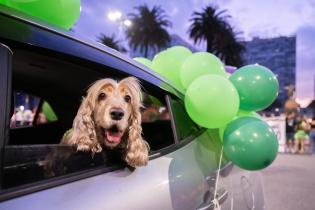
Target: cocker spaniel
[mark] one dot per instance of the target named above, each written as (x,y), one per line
(110,116)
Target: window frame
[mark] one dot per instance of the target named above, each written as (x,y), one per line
(168,103)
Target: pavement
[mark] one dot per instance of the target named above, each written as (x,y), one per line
(289,183)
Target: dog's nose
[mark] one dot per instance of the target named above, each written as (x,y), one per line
(116,114)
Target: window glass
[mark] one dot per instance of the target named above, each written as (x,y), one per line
(25,108)
(184,125)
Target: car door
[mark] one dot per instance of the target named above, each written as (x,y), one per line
(182,155)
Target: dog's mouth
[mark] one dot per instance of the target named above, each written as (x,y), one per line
(113,134)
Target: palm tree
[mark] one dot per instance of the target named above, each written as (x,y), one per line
(229,48)
(212,26)
(111,42)
(148,29)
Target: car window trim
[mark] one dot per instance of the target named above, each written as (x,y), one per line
(5,95)
(174,147)
(56,181)
(169,107)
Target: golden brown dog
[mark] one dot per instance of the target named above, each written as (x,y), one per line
(110,116)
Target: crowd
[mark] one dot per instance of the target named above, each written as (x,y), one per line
(300,134)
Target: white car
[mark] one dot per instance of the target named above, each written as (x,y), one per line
(40,64)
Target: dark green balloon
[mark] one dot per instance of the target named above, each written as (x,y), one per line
(257,87)
(250,143)
(240,113)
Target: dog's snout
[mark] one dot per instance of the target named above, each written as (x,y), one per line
(116,114)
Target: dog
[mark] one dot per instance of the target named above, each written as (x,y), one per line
(109,117)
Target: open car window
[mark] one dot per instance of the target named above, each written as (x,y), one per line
(44,104)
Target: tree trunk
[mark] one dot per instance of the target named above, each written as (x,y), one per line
(146,51)
(209,46)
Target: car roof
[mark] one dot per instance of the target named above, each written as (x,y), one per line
(19,27)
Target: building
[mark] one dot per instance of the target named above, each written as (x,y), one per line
(279,55)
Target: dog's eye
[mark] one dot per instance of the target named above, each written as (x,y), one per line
(101,96)
(127,98)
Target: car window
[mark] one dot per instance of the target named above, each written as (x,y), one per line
(185,127)
(44,102)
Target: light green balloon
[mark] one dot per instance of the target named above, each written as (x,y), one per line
(49,112)
(198,64)
(168,63)
(62,13)
(180,51)
(211,101)
(144,61)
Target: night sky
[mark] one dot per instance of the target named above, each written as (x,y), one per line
(254,18)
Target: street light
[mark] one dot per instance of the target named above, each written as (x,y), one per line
(127,22)
(116,16)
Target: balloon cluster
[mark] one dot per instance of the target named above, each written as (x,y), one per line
(215,99)
(62,13)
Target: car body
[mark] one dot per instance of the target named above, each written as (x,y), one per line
(54,66)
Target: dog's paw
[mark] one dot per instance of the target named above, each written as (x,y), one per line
(89,148)
(136,161)
(97,148)
(83,147)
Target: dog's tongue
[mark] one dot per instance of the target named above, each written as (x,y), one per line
(113,136)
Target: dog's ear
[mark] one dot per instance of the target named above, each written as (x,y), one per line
(83,134)
(137,150)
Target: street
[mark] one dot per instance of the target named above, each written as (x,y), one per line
(289,183)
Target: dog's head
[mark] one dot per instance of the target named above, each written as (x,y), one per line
(110,115)
(116,106)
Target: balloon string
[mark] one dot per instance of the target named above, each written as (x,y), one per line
(215,200)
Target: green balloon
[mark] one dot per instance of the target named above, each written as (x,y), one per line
(245,113)
(198,64)
(211,101)
(240,113)
(250,143)
(62,13)
(180,51)
(144,61)
(49,112)
(257,87)
(168,63)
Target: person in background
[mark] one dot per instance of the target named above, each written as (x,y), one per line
(290,124)
(301,138)
(312,133)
